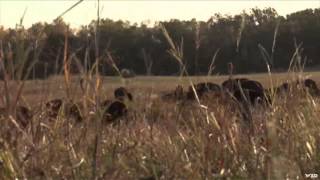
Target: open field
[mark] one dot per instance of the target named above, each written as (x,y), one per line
(38,90)
(79,125)
(163,139)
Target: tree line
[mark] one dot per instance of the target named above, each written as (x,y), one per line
(250,40)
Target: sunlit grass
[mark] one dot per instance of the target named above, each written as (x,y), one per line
(161,139)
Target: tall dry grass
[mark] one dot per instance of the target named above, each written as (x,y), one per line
(206,139)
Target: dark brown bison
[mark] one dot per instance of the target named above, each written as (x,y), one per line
(308,85)
(245,90)
(22,113)
(202,88)
(53,107)
(122,93)
(70,109)
(312,87)
(231,85)
(113,110)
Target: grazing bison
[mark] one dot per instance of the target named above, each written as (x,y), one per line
(23,115)
(114,111)
(231,85)
(122,93)
(53,107)
(202,88)
(311,86)
(70,109)
(244,90)
(308,85)
(251,91)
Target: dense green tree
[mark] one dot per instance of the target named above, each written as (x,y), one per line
(249,40)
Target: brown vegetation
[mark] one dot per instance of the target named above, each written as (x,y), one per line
(218,133)
(211,138)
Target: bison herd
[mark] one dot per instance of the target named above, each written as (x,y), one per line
(111,109)
(242,90)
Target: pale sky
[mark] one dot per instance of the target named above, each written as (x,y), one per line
(136,11)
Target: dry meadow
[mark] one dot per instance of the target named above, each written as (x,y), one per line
(162,139)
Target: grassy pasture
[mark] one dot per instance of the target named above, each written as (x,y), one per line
(165,140)
(159,139)
(37,90)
